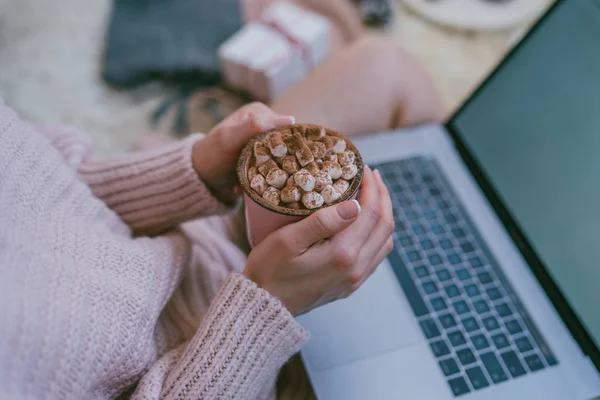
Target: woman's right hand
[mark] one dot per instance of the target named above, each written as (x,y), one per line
(328,255)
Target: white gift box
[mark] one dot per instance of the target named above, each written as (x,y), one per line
(266,58)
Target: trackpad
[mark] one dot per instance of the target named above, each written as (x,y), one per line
(376,319)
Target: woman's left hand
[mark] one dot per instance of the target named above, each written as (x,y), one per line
(215,157)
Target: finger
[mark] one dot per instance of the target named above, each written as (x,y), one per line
(385,225)
(323,224)
(249,122)
(387,248)
(355,236)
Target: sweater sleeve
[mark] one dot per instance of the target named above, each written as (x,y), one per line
(152,190)
(236,353)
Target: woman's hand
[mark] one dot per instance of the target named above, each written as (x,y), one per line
(215,157)
(328,255)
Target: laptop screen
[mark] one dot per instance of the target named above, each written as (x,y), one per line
(534,129)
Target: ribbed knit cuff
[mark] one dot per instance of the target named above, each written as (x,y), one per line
(153,190)
(243,342)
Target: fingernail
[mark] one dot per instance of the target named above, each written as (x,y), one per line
(378,175)
(348,209)
(285,120)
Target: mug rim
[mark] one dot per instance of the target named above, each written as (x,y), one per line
(248,151)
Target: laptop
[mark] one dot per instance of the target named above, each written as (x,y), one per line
(493,287)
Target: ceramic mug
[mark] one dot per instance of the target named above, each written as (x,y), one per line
(263,218)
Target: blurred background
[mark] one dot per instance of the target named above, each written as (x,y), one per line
(53,56)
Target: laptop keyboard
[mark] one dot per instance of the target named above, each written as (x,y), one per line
(477,328)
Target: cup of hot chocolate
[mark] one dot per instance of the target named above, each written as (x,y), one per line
(292,171)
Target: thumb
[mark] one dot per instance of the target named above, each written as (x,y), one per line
(254,123)
(323,224)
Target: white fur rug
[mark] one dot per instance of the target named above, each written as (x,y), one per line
(50,56)
(51,52)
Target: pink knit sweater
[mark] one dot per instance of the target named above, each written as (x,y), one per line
(92,306)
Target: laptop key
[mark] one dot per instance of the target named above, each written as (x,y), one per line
(490,323)
(465,356)
(449,366)
(500,341)
(446,244)
(480,342)
(534,362)
(422,271)
(430,287)
(435,259)
(454,259)
(494,293)
(461,307)
(413,256)
(438,304)
(443,274)
(470,324)
(513,327)
(459,386)
(484,277)
(440,348)
(471,290)
(426,244)
(475,262)
(462,274)
(523,344)
(459,233)
(551,360)
(513,364)
(452,291)
(503,310)
(481,306)
(447,321)
(477,378)
(456,338)
(429,328)
(493,367)
(467,247)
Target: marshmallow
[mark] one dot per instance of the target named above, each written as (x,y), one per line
(328,142)
(294,205)
(331,157)
(252,172)
(294,143)
(300,129)
(261,153)
(304,155)
(277,178)
(314,133)
(290,164)
(333,169)
(279,160)
(259,184)
(339,145)
(317,148)
(322,179)
(349,171)
(341,186)
(267,167)
(330,194)
(305,180)
(286,133)
(291,181)
(271,195)
(312,200)
(276,145)
(319,163)
(313,168)
(346,158)
(290,194)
